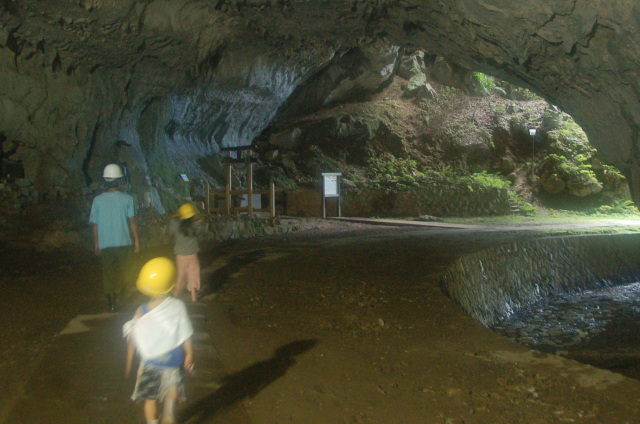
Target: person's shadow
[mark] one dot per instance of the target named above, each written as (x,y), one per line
(245,383)
(214,281)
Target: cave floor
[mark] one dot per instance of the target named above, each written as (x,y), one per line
(340,322)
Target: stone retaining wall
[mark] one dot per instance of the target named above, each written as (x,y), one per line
(437,201)
(218,229)
(493,283)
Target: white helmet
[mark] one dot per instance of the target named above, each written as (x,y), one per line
(112,172)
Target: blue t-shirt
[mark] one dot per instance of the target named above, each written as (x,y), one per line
(111,212)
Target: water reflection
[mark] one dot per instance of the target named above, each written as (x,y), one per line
(599,327)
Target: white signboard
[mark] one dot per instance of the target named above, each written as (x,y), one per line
(256,201)
(331,185)
(331,188)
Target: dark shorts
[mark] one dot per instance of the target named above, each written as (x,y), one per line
(118,271)
(154,383)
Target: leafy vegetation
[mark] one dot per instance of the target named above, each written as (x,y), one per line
(618,207)
(388,171)
(520,93)
(384,169)
(526,208)
(387,111)
(490,180)
(611,170)
(573,169)
(449,96)
(487,82)
(452,147)
(571,158)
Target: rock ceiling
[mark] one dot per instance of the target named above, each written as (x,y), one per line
(83,78)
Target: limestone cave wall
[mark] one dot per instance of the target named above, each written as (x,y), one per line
(86,82)
(65,115)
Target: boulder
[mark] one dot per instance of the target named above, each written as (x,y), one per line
(553,184)
(289,162)
(271,155)
(552,120)
(364,71)
(583,189)
(412,65)
(448,73)
(286,140)
(442,71)
(419,88)
(513,108)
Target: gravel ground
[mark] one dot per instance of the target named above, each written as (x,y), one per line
(338,322)
(359,331)
(598,327)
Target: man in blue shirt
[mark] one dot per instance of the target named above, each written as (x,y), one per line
(114,221)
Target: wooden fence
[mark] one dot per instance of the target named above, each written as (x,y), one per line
(224,201)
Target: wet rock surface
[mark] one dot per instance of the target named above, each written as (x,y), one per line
(599,327)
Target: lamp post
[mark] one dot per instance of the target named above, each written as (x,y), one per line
(532,133)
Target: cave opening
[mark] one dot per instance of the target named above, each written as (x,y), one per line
(162,87)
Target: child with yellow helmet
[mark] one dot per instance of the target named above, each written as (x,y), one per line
(160,332)
(186,227)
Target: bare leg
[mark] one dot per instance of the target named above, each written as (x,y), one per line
(168,413)
(150,410)
(181,279)
(193,275)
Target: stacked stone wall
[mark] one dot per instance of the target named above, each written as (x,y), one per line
(493,283)
(485,201)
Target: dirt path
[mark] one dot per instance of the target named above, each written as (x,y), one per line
(337,323)
(371,339)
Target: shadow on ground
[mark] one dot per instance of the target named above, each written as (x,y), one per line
(246,383)
(232,263)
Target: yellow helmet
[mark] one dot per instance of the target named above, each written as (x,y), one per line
(157,277)
(186,211)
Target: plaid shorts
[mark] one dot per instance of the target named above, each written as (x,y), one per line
(154,383)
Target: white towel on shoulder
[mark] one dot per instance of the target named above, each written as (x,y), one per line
(160,330)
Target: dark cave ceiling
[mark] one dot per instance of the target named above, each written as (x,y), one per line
(182,78)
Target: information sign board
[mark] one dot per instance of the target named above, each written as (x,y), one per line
(331,185)
(330,188)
